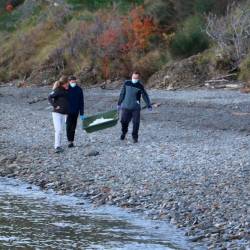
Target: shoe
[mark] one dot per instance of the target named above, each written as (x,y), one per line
(58,150)
(135,140)
(71,145)
(123,137)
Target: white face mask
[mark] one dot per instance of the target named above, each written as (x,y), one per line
(72,84)
(135,80)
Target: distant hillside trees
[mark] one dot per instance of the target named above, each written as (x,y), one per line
(231,32)
(11,4)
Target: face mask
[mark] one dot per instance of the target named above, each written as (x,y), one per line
(135,81)
(72,84)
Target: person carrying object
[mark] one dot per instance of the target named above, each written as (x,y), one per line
(76,107)
(130,105)
(58,98)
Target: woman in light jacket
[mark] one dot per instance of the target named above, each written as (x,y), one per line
(58,98)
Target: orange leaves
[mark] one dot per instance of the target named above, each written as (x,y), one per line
(141,27)
(134,30)
(108,38)
(118,36)
(9,7)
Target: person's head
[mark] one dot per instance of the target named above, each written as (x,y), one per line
(63,82)
(135,77)
(72,81)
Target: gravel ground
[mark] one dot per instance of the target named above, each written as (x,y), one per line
(191,166)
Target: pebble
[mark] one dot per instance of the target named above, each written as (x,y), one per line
(190,167)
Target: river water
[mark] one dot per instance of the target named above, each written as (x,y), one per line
(34,219)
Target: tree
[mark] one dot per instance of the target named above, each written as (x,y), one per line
(232,31)
(138,28)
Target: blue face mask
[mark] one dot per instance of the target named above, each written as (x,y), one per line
(134,81)
(72,84)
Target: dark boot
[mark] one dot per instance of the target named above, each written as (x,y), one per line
(123,136)
(135,140)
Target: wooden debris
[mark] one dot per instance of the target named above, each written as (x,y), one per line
(221,82)
(240,113)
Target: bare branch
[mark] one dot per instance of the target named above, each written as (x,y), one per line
(232,31)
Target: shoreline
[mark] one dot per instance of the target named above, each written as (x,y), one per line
(190,167)
(155,233)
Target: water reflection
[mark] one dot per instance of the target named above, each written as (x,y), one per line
(32,219)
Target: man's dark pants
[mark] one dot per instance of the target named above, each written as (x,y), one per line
(127,116)
(71,126)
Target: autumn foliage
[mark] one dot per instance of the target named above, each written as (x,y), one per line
(139,28)
(100,39)
(130,34)
(9,7)
(11,4)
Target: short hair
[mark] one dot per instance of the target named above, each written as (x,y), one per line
(136,73)
(72,78)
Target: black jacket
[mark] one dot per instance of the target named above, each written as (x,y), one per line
(58,98)
(76,100)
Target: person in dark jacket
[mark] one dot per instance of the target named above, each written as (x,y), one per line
(58,98)
(76,107)
(130,104)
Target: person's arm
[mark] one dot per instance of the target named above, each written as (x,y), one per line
(146,98)
(81,103)
(122,94)
(52,96)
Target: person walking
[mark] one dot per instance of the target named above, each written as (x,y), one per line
(58,98)
(76,107)
(130,105)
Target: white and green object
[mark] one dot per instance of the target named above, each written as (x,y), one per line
(100,121)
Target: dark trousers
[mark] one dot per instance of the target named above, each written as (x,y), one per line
(127,116)
(71,126)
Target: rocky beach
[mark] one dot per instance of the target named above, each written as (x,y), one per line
(191,166)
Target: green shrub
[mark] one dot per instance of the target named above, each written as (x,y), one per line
(190,39)
(8,22)
(97,4)
(245,70)
(202,6)
(3,74)
(28,12)
(163,11)
(150,63)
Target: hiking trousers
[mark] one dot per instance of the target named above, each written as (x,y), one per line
(126,117)
(71,123)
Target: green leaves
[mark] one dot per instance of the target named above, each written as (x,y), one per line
(190,39)
(98,4)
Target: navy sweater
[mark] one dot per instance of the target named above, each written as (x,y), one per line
(76,100)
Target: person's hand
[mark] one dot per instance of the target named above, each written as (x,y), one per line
(150,108)
(82,117)
(119,107)
(57,107)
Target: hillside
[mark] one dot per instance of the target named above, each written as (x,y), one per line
(105,40)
